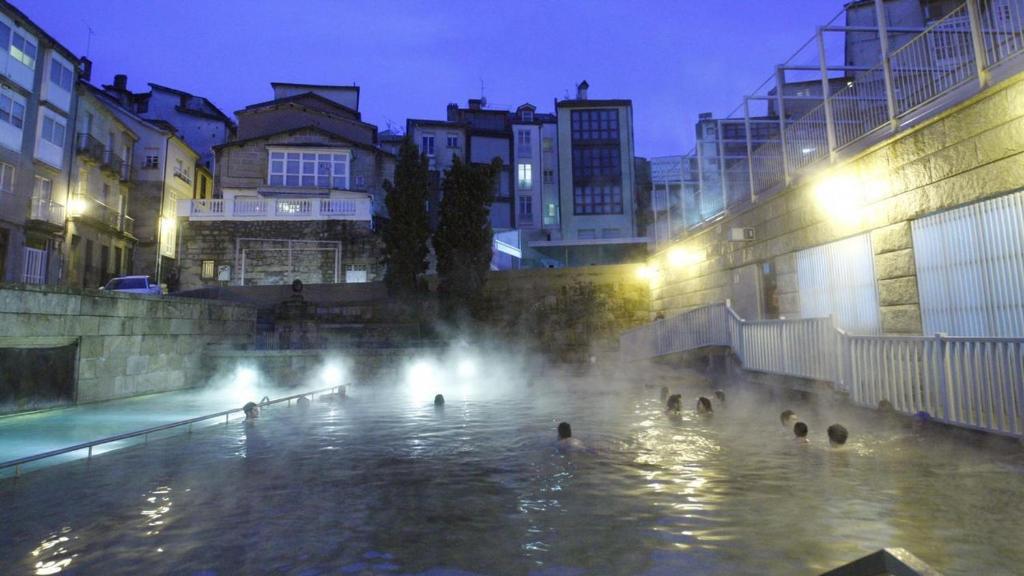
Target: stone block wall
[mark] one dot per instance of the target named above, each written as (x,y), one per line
(972,152)
(127,344)
(266,263)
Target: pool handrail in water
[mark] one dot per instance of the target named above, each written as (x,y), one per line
(18,462)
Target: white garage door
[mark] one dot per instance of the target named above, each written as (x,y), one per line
(838,280)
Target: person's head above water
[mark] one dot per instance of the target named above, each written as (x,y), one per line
(564,431)
(704,406)
(788,417)
(675,402)
(720,396)
(800,430)
(302,402)
(439,400)
(837,435)
(251,410)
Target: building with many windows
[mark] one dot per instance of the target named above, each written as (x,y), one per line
(440,141)
(37,105)
(596,184)
(99,242)
(197,120)
(295,195)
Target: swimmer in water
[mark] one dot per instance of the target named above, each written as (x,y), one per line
(565,438)
(302,402)
(439,400)
(674,404)
(720,396)
(704,406)
(837,435)
(251,410)
(800,431)
(664,393)
(788,418)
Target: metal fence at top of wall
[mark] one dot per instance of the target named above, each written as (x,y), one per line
(970,382)
(910,80)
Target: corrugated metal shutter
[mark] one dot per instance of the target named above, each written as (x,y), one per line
(970,269)
(838,280)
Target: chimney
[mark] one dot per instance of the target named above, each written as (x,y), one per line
(453,112)
(581,90)
(474,103)
(120,82)
(85,69)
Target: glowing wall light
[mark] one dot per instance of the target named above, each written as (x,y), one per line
(331,375)
(839,196)
(77,206)
(679,257)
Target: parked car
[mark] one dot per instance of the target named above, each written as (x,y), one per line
(133,285)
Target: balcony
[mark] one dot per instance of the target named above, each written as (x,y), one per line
(183,175)
(85,206)
(259,208)
(113,163)
(46,211)
(89,147)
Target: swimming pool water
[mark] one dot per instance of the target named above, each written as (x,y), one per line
(386,484)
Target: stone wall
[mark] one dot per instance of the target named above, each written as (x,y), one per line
(971,152)
(567,311)
(266,262)
(127,344)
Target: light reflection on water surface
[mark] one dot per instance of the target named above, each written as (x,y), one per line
(385,483)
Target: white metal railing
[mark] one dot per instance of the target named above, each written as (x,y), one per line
(969,382)
(260,208)
(144,433)
(916,73)
(46,211)
(34,271)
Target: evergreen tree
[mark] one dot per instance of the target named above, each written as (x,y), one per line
(464,236)
(407,231)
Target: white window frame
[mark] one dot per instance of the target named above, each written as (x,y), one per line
(209,270)
(12,109)
(328,168)
(65,76)
(49,133)
(21,54)
(151,161)
(525,176)
(526,206)
(427,144)
(453,140)
(6,178)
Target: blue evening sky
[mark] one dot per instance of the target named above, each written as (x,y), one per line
(674,59)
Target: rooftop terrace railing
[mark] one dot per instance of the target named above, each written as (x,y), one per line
(144,433)
(826,109)
(975,383)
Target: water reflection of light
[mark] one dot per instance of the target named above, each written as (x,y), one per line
(160,498)
(54,546)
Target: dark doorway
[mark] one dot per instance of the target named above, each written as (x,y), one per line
(88,277)
(104,264)
(4,241)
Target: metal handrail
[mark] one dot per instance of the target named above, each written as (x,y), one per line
(17,463)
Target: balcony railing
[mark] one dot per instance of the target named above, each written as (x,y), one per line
(113,163)
(89,147)
(46,211)
(845,107)
(85,206)
(183,175)
(259,208)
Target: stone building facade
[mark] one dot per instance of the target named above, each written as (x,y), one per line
(968,154)
(295,197)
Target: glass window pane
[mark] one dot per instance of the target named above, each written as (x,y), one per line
(276,180)
(277,166)
(292,180)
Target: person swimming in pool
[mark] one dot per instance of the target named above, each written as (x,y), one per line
(251,410)
(837,435)
(302,402)
(674,404)
(439,400)
(565,439)
(800,431)
(788,418)
(704,406)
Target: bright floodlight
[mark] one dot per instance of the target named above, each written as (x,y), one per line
(466,368)
(331,375)
(245,377)
(421,378)
(243,386)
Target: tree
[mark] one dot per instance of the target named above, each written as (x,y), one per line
(407,231)
(464,236)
